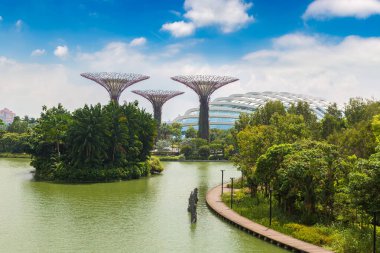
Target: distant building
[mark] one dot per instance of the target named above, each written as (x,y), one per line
(7,116)
(225,111)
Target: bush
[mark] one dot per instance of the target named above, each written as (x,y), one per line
(155,166)
(313,235)
(204,152)
(181,158)
(186,151)
(169,158)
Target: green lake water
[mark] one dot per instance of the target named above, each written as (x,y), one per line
(145,215)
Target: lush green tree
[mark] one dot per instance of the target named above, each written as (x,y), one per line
(332,122)
(358,110)
(164,131)
(365,185)
(252,143)
(308,175)
(52,126)
(191,132)
(264,114)
(176,132)
(204,152)
(142,132)
(269,162)
(243,122)
(303,108)
(376,127)
(358,140)
(187,151)
(15,142)
(88,137)
(115,124)
(290,127)
(18,126)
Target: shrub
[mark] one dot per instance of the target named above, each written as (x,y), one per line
(186,151)
(313,235)
(155,165)
(204,152)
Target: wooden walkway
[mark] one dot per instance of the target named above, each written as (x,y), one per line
(214,202)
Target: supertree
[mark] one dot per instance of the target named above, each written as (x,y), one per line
(115,83)
(158,98)
(204,86)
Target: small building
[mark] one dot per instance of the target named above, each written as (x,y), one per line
(7,116)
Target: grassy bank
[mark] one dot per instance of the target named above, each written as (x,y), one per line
(14,155)
(335,236)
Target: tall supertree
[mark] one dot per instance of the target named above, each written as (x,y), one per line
(115,83)
(158,98)
(204,86)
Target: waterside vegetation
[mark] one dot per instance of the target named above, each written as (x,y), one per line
(324,175)
(94,143)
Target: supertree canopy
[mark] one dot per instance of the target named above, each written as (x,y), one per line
(158,98)
(115,83)
(204,86)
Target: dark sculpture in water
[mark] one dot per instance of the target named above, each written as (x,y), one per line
(204,86)
(114,83)
(192,207)
(158,98)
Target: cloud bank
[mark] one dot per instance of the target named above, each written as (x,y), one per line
(299,63)
(322,9)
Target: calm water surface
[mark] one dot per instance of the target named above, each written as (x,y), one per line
(146,215)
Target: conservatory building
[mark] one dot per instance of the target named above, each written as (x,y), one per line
(225,111)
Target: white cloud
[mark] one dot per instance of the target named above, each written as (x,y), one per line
(38,52)
(307,64)
(227,15)
(179,29)
(138,42)
(322,9)
(1,18)
(19,23)
(335,71)
(61,51)
(296,40)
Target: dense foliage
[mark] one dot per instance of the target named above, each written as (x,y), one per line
(94,143)
(172,141)
(15,137)
(322,171)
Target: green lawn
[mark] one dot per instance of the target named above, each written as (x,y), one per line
(14,155)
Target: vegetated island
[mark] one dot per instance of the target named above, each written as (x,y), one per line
(94,144)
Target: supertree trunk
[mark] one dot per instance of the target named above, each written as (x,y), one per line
(157,98)
(157,112)
(203,129)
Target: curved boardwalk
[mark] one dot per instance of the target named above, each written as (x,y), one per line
(214,202)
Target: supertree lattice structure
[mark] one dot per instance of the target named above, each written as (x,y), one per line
(115,83)
(204,86)
(158,98)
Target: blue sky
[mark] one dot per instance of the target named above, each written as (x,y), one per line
(325,48)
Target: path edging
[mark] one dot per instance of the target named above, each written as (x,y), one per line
(214,202)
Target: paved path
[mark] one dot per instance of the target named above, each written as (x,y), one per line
(214,202)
